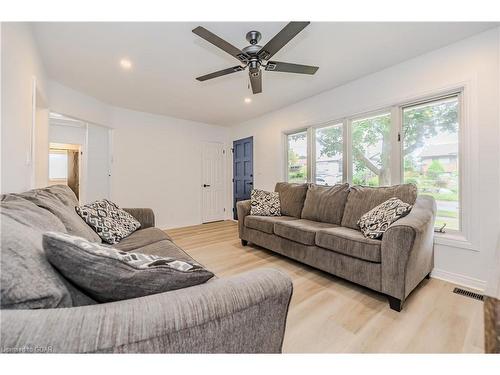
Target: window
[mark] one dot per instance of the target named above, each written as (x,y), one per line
(431,155)
(58,165)
(415,142)
(297,157)
(371,150)
(329,155)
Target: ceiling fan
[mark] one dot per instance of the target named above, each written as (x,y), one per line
(256,57)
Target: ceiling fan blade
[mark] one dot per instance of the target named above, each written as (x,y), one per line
(220,73)
(221,43)
(282,38)
(256,80)
(277,66)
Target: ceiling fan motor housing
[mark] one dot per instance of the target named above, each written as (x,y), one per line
(253,37)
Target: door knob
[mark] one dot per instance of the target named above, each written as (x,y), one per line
(205,185)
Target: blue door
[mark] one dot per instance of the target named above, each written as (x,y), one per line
(242,171)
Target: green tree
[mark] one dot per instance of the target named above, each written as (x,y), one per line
(435,169)
(420,123)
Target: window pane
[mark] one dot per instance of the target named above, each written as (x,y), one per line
(430,149)
(371,150)
(297,157)
(58,165)
(329,150)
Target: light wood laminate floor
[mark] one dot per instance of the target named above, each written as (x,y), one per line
(331,315)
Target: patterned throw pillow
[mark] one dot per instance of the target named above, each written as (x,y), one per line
(265,203)
(375,222)
(108,274)
(110,222)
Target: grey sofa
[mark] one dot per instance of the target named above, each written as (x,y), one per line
(44,312)
(319,228)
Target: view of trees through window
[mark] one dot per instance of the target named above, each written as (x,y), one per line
(329,155)
(430,151)
(371,150)
(297,157)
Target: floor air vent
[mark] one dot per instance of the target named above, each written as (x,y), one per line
(469,294)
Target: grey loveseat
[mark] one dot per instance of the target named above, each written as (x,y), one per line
(319,228)
(43,312)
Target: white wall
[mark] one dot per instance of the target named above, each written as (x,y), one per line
(156,159)
(157,163)
(20,63)
(473,62)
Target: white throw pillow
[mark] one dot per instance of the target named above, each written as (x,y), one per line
(375,222)
(265,203)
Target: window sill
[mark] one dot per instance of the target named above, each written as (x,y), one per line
(454,240)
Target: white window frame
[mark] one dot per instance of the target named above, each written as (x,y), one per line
(462,238)
(402,107)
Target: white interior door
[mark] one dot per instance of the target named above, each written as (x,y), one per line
(213,189)
(98,166)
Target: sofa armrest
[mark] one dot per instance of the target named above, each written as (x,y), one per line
(145,216)
(241,314)
(243,210)
(407,249)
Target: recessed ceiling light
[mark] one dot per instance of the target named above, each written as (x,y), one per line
(248,100)
(126,64)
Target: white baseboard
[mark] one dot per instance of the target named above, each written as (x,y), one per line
(462,280)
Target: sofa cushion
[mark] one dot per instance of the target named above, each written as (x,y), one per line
(292,198)
(362,199)
(108,274)
(141,238)
(110,222)
(325,203)
(265,223)
(301,230)
(375,222)
(61,201)
(349,242)
(166,248)
(28,281)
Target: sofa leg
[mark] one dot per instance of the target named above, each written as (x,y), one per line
(395,304)
(244,242)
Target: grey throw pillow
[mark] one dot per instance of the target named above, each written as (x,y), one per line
(375,222)
(265,203)
(107,274)
(110,222)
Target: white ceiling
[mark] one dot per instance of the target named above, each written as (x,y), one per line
(167,57)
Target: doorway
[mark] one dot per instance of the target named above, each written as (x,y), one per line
(213,191)
(64,165)
(242,171)
(83,151)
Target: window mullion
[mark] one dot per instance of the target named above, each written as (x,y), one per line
(396,146)
(347,159)
(311,155)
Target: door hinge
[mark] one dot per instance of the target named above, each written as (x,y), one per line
(233,209)
(399,137)
(224,209)
(233,179)
(223,152)
(232,151)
